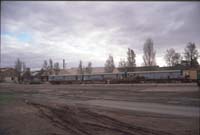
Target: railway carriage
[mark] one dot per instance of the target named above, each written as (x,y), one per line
(121,77)
(166,74)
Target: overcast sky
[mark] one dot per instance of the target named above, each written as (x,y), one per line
(90,31)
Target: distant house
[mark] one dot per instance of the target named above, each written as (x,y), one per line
(8,75)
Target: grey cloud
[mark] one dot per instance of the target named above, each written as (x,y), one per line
(169,24)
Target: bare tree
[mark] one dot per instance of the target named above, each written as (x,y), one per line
(109,65)
(149,53)
(56,68)
(51,64)
(191,54)
(88,69)
(172,57)
(122,63)
(169,56)
(80,68)
(18,69)
(131,58)
(45,65)
(24,66)
(176,59)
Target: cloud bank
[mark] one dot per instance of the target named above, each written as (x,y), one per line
(90,31)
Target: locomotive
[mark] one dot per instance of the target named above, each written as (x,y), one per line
(120,77)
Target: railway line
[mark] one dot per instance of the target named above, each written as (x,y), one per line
(165,76)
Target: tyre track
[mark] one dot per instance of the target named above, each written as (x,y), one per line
(82,121)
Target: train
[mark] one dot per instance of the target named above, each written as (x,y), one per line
(122,77)
(198,77)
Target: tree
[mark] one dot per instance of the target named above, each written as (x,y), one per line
(169,56)
(27,75)
(50,63)
(176,59)
(172,57)
(149,53)
(24,66)
(89,68)
(45,65)
(80,68)
(18,69)
(109,65)
(56,68)
(122,63)
(131,58)
(191,54)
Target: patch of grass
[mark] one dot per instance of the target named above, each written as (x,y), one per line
(6,98)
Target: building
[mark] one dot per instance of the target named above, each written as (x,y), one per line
(8,75)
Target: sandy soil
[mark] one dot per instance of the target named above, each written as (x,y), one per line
(99,109)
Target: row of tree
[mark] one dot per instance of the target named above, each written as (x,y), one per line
(55,67)
(191,55)
(51,66)
(87,69)
(148,57)
(171,57)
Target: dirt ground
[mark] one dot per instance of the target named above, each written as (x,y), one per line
(121,109)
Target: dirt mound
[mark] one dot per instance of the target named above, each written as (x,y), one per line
(83,121)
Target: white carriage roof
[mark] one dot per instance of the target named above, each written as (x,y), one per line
(137,72)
